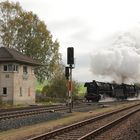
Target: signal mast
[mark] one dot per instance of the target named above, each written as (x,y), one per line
(68,75)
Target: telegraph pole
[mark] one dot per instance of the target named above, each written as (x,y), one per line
(68,74)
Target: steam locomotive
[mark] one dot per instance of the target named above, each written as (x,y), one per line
(95,90)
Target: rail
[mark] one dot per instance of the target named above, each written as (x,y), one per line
(58,132)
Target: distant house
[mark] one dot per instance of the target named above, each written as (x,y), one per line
(17,79)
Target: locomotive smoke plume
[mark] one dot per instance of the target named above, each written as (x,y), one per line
(119,62)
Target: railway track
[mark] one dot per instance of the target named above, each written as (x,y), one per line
(27,112)
(90,128)
(2,110)
(34,110)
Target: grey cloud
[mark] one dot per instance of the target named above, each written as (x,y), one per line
(81,60)
(72,23)
(82,34)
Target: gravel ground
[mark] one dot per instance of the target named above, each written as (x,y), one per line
(126,130)
(67,118)
(34,119)
(60,120)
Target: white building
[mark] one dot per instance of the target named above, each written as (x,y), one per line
(17,79)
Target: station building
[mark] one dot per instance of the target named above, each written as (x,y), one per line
(17,79)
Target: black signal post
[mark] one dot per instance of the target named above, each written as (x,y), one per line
(68,74)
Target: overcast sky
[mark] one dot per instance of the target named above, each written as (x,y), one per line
(85,25)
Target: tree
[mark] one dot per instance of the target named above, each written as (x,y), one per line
(8,12)
(57,87)
(25,32)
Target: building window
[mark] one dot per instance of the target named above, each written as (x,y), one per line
(20,91)
(4,91)
(10,67)
(32,70)
(5,68)
(29,93)
(15,67)
(25,70)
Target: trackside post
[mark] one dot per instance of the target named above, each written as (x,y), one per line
(68,74)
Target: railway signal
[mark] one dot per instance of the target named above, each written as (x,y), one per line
(70,56)
(68,74)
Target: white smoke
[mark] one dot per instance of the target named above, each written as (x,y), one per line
(120,61)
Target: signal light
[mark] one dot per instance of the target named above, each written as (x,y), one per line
(70,55)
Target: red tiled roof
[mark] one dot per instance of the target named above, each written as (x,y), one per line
(12,55)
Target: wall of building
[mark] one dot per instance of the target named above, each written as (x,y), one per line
(6,80)
(20,85)
(25,91)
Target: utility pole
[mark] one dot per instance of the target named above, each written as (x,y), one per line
(68,74)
